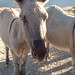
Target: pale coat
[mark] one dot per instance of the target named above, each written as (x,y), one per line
(61,31)
(25,32)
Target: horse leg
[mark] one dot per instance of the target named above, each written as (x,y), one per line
(73,63)
(47,45)
(15,64)
(7,55)
(73,60)
(23,64)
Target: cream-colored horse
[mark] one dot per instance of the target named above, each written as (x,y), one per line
(61,31)
(26,32)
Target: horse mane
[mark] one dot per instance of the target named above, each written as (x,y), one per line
(60,9)
(16,13)
(10,12)
(6,12)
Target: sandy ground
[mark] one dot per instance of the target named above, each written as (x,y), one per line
(59,63)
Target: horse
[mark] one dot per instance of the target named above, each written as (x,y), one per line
(61,31)
(16,14)
(28,31)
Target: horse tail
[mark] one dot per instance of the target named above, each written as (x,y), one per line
(73,33)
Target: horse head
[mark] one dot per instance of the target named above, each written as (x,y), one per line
(34,16)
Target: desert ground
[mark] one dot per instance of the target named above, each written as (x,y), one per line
(59,62)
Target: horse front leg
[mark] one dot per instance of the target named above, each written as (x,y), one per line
(15,64)
(23,61)
(23,64)
(47,46)
(7,55)
(73,63)
(72,51)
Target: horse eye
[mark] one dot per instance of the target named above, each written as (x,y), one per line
(24,19)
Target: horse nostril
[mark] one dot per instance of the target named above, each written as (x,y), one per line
(39,49)
(34,54)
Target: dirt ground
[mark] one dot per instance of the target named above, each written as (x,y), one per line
(59,63)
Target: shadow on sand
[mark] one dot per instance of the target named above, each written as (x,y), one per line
(59,63)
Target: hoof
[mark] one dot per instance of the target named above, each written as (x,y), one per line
(7,61)
(47,57)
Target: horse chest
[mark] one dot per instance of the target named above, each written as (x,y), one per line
(22,52)
(20,48)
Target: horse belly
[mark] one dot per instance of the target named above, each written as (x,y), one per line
(4,35)
(61,47)
(61,43)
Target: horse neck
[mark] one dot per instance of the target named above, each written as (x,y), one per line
(20,37)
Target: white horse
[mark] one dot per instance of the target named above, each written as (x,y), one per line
(23,33)
(16,14)
(61,31)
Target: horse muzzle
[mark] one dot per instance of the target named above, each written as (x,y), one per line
(39,50)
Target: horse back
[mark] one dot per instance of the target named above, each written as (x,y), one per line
(6,17)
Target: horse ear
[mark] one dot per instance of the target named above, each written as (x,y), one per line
(44,1)
(18,1)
